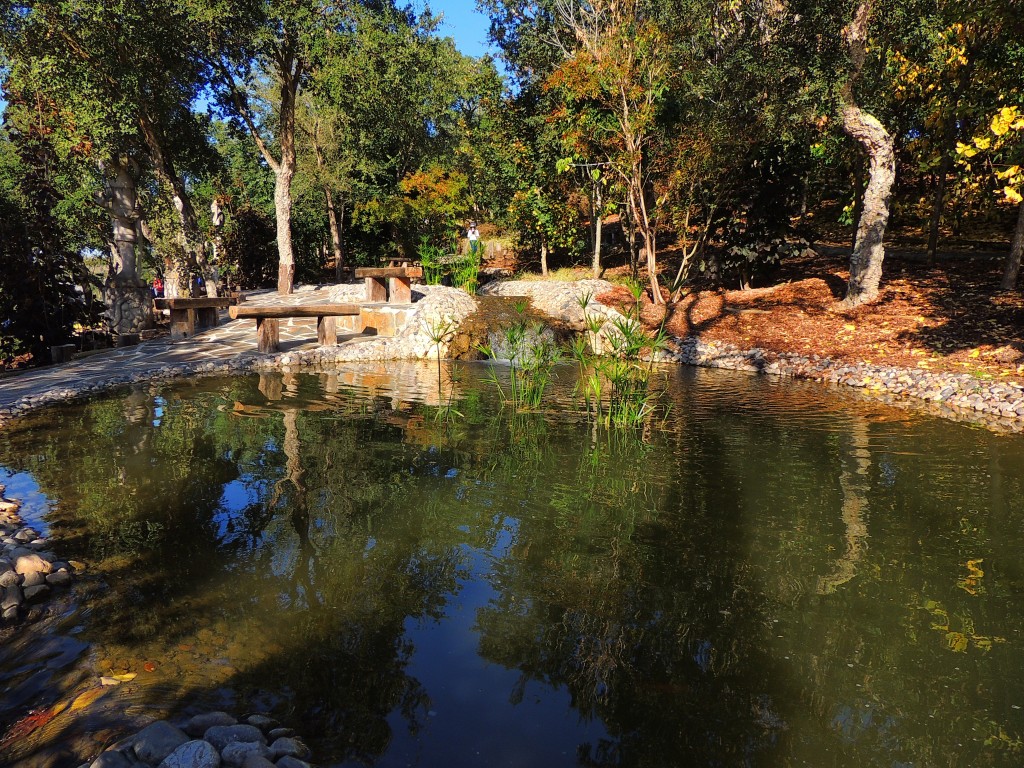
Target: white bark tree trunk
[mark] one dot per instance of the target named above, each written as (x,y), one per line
(869,245)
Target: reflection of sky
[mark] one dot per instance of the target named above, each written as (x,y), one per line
(470,720)
(35,504)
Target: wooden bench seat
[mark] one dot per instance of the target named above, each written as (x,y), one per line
(191,314)
(398,286)
(268,328)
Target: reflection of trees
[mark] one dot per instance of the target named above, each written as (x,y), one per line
(853,479)
(626,596)
(671,587)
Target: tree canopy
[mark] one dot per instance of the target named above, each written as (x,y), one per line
(689,140)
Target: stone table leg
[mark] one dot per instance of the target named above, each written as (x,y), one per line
(326,331)
(183,323)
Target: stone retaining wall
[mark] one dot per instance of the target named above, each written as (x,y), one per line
(999,405)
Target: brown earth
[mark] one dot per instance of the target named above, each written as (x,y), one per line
(947,317)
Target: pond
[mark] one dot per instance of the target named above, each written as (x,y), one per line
(774,575)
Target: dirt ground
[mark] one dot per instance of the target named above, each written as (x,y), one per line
(947,317)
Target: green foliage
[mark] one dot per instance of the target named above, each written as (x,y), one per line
(41,275)
(532,357)
(432,258)
(617,388)
(250,250)
(465,270)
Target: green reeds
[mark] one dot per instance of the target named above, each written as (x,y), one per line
(432,260)
(441,331)
(616,389)
(532,359)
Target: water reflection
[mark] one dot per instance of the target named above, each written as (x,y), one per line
(772,575)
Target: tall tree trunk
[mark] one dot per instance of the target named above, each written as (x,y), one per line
(949,134)
(1013,258)
(283,219)
(869,247)
(334,215)
(544,257)
(283,176)
(188,222)
(647,234)
(127,298)
(290,69)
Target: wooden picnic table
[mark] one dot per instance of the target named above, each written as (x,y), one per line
(398,286)
(189,315)
(268,328)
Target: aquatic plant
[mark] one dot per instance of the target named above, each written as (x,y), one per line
(441,331)
(616,388)
(432,260)
(465,271)
(532,357)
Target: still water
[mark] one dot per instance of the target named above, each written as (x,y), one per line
(773,575)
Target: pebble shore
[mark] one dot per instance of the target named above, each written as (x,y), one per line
(29,571)
(210,740)
(999,405)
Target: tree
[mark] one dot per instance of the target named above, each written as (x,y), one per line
(284,47)
(1003,148)
(877,143)
(41,273)
(126,89)
(617,62)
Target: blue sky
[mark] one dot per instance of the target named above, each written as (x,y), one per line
(463,23)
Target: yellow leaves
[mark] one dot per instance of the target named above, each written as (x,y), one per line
(983,142)
(1009,173)
(1007,119)
(850,327)
(966,150)
(974,353)
(957,642)
(972,583)
(1012,195)
(87,698)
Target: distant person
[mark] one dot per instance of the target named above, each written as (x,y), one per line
(158,285)
(473,235)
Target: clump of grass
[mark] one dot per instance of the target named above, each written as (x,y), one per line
(466,271)
(432,260)
(616,389)
(532,359)
(441,331)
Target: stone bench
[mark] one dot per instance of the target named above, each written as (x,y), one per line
(268,327)
(189,315)
(390,284)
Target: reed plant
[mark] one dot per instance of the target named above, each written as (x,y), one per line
(432,259)
(617,389)
(441,331)
(532,358)
(465,271)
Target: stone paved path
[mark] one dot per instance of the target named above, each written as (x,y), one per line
(231,339)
